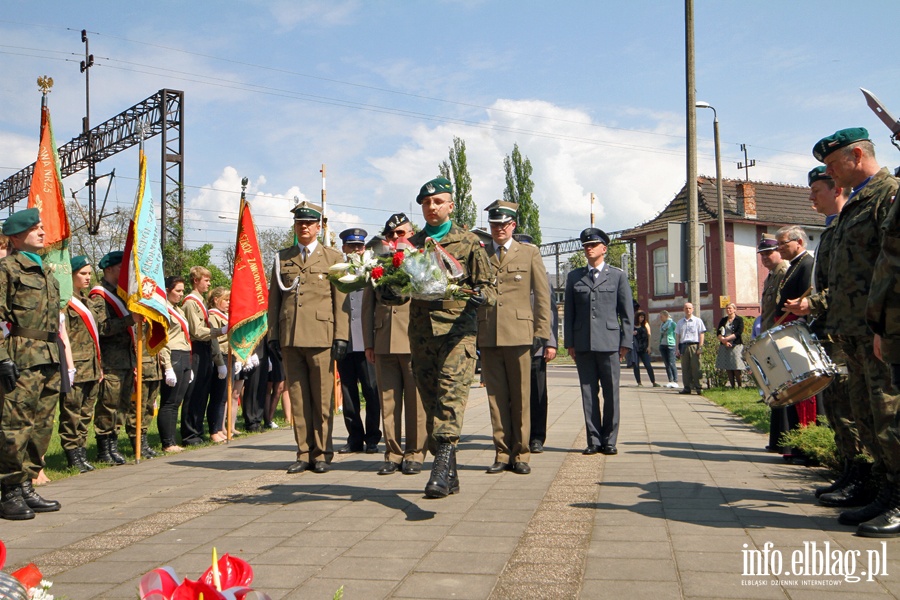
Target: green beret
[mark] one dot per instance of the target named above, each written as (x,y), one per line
(307,211)
(112,259)
(80,262)
(501,212)
(817,174)
(837,140)
(441,185)
(21,221)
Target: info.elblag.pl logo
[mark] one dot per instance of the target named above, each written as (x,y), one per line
(815,560)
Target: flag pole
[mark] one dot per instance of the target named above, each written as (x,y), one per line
(139,351)
(237,240)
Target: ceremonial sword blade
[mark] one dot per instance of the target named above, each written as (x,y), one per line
(879,109)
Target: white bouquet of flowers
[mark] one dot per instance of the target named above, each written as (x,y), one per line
(355,273)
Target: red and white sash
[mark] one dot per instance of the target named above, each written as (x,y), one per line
(118,306)
(200,303)
(88,317)
(219,313)
(183,323)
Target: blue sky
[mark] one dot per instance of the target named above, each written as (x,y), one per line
(592,92)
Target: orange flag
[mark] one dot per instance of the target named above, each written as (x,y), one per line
(46,191)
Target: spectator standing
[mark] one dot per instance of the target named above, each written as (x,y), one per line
(730,335)
(667,347)
(690,333)
(641,348)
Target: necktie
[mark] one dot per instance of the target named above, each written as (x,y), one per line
(501,252)
(595,274)
(304,253)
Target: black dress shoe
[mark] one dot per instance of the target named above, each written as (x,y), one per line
(411,467)
(591,450)
(348,449)
(371,448)
(521,468)
(685,392)
(609,450)
(388,468)
(320,467)
(536,447)
(497,467)
(298,467)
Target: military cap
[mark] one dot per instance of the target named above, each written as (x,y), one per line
(592,235)
(354,235)
(441,185)
(838,140)
(21,221)
(307,211)
(523,238)
(484,236)
(111,259)
(500,211)
(767,243)
(396,220)
(817,174)
(79,262)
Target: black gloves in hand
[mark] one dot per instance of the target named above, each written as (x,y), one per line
(9,374)
(477,298)
(275,348)
(339,349)
(390,297)
(537,344)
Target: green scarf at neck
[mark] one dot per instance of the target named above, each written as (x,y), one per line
(438,232)
(34,257)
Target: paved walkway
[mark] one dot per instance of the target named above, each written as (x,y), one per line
(676,514)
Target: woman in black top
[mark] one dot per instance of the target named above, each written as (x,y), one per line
(730,333)
(641,346)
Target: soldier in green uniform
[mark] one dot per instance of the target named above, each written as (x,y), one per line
(849,489)
(442,334)
(151,381)
(118,360)
(29,366)
(76,409)
(849,158)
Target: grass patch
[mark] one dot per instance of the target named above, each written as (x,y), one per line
(744,402)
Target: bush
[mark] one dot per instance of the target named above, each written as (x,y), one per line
(815,441)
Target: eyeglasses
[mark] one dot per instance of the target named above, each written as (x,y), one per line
(502,225)
(397,233)
(785,243)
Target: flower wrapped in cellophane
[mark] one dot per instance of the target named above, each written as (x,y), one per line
(353,274)
(427,274)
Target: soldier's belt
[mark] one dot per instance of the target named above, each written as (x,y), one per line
(33,334)
(442,304)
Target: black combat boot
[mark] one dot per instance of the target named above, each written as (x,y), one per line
(35,502)
(856,491)
(146,451)
(838,483)
(103,450)
(73,457)
(872,509)
(453,473)
(83,454)
(438,485)
(887,524)
(114,453)
(12,505)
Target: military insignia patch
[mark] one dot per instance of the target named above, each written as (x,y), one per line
(429,188)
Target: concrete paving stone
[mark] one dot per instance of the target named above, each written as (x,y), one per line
(465,543)
(239,545)
(716,515)
(188,536)
(370,567)
(462,562)
(99,571)
(51,539)
(299,555)
(424,514)
(403,532)
(407,550)
(322,587)
(622,549)
(479,529)
(843,592)
(710,543)
(708,562)
(499,515)
(143,551)
(105,542)
(633,590)
(271,529)
(624,569)
(708,528)
(536,591)
(725,585)
(282,576)
(85,590)
(445,586)
(656,532)
(332,523)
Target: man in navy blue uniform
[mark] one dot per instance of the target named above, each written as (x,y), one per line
(598,333)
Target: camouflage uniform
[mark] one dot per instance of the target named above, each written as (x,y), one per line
(857,242)
(768,305)
(76,409)
(29,300)
(118,361)
(151,379)
(883,307)
(836,397)
(442,339)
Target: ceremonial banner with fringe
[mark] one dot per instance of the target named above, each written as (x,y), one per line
(248,313)
(46,194)
(141,284)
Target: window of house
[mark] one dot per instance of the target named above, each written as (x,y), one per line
(661,285)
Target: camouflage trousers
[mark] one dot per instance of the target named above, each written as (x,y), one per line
(26,423)
(116,391)
(76,409)
(444,367)
(874,403)
(836,404)
(127,415)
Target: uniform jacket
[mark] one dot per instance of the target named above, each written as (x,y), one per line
(883,307)
(818,302)
(29,297)
(469,251)
(310,314)
(177,338)
(353,304)
(768,305)
(552,341)
(198,323)
(522,310)
(385,328)
(150,363)
(116,343)
(796,281)
(857,245)
(599,315)
(87,365)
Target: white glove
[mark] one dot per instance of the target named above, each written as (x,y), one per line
(252,362)
(270,365)
(191,380)
(171,379)
(224,329)
(71,377)
(223,371)
(238,365)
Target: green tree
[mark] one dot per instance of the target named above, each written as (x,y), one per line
(456,170)
(519,188)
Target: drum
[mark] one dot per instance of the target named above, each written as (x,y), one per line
(789,364)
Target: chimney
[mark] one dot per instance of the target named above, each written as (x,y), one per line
(746,199)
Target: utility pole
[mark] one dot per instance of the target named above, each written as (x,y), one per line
(86,64)
(592,209)
(693,210)
(746,164)
(327,241)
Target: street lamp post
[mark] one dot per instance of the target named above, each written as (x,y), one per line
(720,202)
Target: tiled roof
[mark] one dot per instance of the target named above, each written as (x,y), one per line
(776,204)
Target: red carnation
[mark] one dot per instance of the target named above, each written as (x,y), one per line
(398,258)
(377,272)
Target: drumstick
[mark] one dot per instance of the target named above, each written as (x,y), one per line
(785,315)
